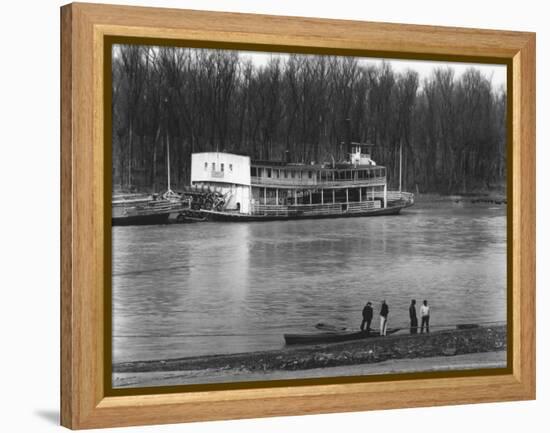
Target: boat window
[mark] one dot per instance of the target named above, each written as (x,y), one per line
(292,174)
(268,172)
(213,166)
(253,171)
(310,174)
(230,167)
(221,166)
(205,166)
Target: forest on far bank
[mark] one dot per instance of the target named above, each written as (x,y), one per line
(451,129)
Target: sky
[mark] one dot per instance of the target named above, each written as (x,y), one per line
(497,73)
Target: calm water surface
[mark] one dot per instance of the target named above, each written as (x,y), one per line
(211,288)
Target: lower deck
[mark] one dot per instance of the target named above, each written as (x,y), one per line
(340,210)
(273,195)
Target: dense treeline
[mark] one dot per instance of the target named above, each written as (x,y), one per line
(451,129)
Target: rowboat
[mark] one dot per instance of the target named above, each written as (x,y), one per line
(333,337)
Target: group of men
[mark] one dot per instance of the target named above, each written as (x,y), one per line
(384,313)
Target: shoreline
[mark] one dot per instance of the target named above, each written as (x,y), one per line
(489,197)
(471,361)
(366,351)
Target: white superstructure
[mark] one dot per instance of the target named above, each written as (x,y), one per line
(226,173)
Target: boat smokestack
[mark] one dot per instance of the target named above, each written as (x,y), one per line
(348,136)
(287,156)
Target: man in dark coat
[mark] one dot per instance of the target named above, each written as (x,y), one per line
(367,317)
(384,312)
(412,316)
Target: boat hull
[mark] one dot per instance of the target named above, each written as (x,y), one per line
(238,217)
(332,337)
(141,220)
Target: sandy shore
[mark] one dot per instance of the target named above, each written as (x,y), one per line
(439,363)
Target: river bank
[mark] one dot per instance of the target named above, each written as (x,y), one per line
(468,361)
(446,344)
(492,197)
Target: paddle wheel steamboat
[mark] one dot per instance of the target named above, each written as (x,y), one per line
(279,190)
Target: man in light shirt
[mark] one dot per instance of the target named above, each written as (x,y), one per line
(425,315)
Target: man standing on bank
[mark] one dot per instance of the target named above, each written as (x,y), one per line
(384,311)
(367,317)
(412,316)
(425,315)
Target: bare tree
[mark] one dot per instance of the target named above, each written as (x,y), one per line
(449,131)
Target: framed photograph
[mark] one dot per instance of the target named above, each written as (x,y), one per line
(267,216)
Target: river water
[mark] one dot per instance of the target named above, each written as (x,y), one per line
(211,288)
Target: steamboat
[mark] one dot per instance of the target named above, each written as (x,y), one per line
(245,190)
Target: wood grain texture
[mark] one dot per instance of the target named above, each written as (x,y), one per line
(84,26)
(67,385)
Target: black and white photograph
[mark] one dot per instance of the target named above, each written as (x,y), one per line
(281,216)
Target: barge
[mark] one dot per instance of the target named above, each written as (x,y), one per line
(151,209)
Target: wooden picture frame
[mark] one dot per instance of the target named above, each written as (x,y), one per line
(85,215)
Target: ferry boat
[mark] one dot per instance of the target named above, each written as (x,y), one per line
(281,190)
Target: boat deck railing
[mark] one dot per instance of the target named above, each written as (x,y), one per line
(315,209)
(317,183)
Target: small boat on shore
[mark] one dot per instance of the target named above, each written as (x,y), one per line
(333,337)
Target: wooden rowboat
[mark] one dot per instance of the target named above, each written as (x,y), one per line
(333,337)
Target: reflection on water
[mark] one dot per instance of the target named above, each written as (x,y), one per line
(206,288)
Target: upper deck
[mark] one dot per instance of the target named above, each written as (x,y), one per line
(225,168)
(290,176)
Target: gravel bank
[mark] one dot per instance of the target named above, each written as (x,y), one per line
(367,351)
